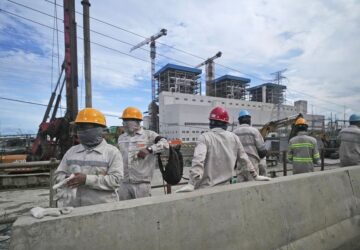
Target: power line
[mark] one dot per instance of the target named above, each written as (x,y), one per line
(169,46)
(41,104)
(49,27)
(97,32)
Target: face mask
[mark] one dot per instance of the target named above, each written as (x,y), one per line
(91,137)
(131,126)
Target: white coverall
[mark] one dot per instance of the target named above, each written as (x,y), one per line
(103,167)
(253,143)
(138,172)
(215,156)
(349,146)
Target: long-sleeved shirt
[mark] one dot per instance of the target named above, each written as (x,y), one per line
(303,152)
(349,151)
(252,142)
(137,170)
(215,156)
(103,167)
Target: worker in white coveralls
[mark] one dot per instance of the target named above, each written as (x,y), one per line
(303,150)
(216,155)
(349,139)
(95,167)
(138,148)
(253,144)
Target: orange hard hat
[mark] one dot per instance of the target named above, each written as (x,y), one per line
(300,121)
(90,115)
(132,113)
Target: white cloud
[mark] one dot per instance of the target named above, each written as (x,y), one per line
(317,41)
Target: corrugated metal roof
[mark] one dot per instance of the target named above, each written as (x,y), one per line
(268,84)
(230,77)
(170,66)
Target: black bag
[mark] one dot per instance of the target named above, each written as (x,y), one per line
(173,170)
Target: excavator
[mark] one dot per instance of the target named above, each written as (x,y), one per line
(325,140)
(273,142)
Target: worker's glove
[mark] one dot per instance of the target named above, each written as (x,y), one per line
(39,212)
(66,195)
(143,153)
(186,188)
(63,182)
(262,178)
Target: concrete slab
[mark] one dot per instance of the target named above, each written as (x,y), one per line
(241,216)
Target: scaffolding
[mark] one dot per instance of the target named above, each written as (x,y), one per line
(176,78)
(268,92)
(228,86)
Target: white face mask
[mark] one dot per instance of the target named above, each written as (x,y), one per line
(131,126)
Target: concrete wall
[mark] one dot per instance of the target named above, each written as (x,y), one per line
(318,210)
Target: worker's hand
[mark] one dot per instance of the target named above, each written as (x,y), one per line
(78,180)
(143,153)
(262,178)
(186,188)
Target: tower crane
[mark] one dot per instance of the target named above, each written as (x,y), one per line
(209,69)
(151,40)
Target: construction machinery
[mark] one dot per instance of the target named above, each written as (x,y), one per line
(151,40)
(273,141)
(55,135)
(209,69)
(153,108)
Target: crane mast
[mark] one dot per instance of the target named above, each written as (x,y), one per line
(209,69)
(151,40)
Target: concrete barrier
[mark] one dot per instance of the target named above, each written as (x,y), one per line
(318,210)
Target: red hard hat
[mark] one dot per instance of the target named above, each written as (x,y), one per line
(219,114)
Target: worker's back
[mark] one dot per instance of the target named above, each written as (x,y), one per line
(303,152)
(221,149)
(350,146)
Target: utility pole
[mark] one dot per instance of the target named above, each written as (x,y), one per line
(344,116)
(209,71)
(71,69)
(87,52)
(278,80)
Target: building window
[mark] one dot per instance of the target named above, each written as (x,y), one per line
(201,100)
(176,98)
(237,104)
(230,103)
(185,99)
(209,101)
(194,100)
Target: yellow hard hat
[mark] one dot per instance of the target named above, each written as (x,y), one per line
(90,115)
(132,113)
(301,121)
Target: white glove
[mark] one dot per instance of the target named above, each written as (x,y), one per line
(63,182)
(39,212)
(262,178)
(66,195)
(186,188)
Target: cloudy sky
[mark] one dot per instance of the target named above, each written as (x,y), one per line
(316,41)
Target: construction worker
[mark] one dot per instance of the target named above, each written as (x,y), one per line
(303,150)
(349,139)
(216,154)
(253,144)
(96,166)
(138,148)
